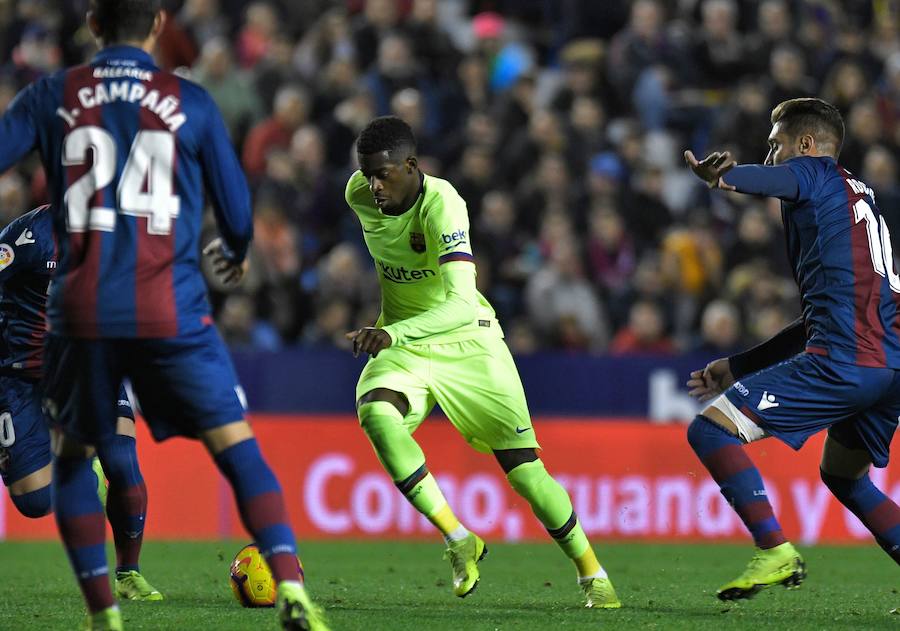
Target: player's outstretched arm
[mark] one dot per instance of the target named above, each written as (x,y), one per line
(227,185)
(18,131)
(718,170)
(721,373)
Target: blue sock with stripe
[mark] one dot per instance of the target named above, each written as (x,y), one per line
(126,503)
(722,453)
(873,508)
(82,527)
(261,505)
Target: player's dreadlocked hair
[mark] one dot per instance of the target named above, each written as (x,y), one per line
(386,133)
(125,20)
(815,117)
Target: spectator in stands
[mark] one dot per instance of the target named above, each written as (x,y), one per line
(720,330)
(203,21)
(260,26)
(559,131)
(645,333)
(275,132)
(232,88)
(562,304)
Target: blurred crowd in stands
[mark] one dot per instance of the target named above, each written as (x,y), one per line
(561,122)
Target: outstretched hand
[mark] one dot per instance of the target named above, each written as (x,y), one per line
(711,168)
(369,340)
(711,381)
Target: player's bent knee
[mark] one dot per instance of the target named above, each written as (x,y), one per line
(385,395)
(33,504)
(125,427)
(375,417)
(509,459)
(221,438)
(527,476)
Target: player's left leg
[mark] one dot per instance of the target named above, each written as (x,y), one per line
(716,440)
(82,527)
(553,508)
(31,494)
(845,471)
(24,447)
(197,395)
(477,385)
(126,508)
(80,383)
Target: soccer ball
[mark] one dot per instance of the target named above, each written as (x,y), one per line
(251,579)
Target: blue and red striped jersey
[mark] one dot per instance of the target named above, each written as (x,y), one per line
(128,149)
(27,262)
(840,249)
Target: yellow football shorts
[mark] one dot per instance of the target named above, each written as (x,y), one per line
(474,381)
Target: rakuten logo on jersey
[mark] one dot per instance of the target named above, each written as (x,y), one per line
(403,275)
(454,239)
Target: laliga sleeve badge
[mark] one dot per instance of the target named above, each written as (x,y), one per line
(7,255)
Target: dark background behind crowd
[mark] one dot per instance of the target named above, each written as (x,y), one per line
(561,122)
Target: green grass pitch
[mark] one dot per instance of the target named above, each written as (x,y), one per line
(405,586)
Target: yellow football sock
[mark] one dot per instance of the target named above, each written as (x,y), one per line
(444,520)
(587,564)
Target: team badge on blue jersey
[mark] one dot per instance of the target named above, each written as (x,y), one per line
(7,255)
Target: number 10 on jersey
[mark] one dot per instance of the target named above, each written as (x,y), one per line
(144,189)
(879,243)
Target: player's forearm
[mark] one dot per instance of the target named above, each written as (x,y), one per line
(756,179)
(783,345)
(458,309)
(228,189)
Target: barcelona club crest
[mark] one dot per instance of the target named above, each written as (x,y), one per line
(417,242)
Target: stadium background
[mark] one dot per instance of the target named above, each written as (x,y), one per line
(612,271)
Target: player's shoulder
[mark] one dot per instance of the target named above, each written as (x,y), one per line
(24,229)
(813,165)
(440,194)
(190,89)
(357,192)
(26,236)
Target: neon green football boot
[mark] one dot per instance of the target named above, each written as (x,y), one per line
(101,480)
(110,619)
(296,610)
(464,556)
(781,565)
(131,585)
(599,593)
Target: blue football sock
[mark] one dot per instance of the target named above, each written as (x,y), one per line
(126,504)
(261,505)
(82,527)
(723,455)
(873,508)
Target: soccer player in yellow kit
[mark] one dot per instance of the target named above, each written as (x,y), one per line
(438,341)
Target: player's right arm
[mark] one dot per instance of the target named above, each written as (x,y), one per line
(718,170)
(721,373)
(18,126)
(227,185)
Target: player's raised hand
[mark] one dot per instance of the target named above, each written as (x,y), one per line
(369,340)
(711,381)
(226,271)
(711,168)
